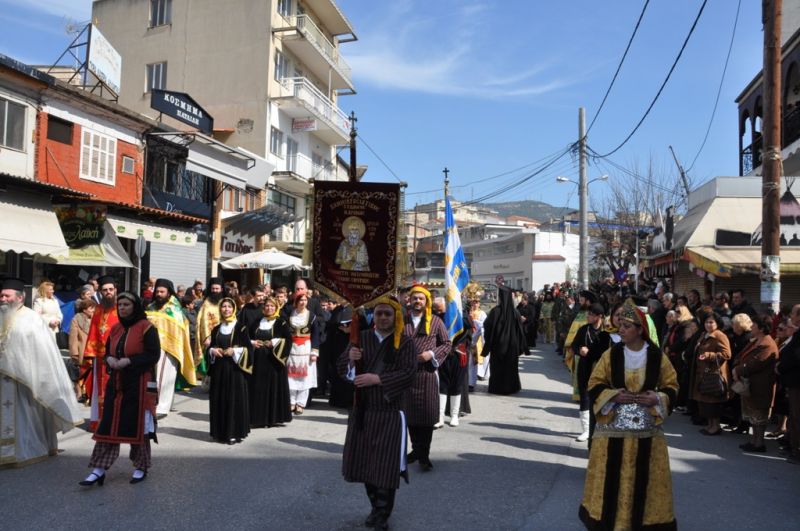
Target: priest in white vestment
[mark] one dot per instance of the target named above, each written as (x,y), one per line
(36,396)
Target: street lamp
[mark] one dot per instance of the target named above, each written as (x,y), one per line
(583,193)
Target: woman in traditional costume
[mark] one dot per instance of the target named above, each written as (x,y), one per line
(230,362)
(302,366)
(633,386)
(131,353)
(269,385)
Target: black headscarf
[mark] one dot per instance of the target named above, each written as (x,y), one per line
(504,334)
(138,309)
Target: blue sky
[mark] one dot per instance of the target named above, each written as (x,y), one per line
(486,87)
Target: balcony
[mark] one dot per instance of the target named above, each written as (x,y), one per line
(313,111)
(310,45)
(751,156)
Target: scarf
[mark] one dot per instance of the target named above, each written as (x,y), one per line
(428,306)
(232,317)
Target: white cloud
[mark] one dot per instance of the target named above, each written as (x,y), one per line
(443,54)
(73,9)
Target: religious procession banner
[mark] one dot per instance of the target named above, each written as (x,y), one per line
(355,238)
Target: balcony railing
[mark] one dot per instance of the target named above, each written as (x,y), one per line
(302,89)
(306,26)
(308,169)
(751,156)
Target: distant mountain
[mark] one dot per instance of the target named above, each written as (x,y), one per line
(530,209)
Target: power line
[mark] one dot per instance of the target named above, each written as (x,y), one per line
(664,84)
(635,175)
(719,89)
(380,159)
(619,67)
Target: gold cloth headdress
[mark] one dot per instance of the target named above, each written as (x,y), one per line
(428,305)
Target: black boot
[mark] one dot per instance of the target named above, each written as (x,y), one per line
(373,500)
(384,504)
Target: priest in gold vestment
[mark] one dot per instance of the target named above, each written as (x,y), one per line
(633,389)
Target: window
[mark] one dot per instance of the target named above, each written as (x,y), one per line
(98,157)
(276,142)
(12,124)
(281,66)
(59,130)
(232,200)
(285,8)
(156,76)
(291,154)
(160,12)
(128,164)
(282,200)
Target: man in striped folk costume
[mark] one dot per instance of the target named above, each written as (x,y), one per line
(382,368)
(431,345)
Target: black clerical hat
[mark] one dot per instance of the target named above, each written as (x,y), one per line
(165,283)
(589,296)
(216,280)
(106,279)
(16,284)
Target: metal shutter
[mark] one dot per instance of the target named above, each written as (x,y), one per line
(178,263)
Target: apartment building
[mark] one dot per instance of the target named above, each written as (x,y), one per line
(268,71)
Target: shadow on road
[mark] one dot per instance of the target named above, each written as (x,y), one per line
(202,417)
(518,428)
(197,435)
(329,447)
(328,420)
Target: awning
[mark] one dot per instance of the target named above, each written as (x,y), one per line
(258,222)
(727,262)
(125,228)
(268,259)
(108,253)
(235,167)
(29,224)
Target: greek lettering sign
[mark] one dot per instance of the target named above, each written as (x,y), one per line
(82,225)
(300,125)
(183,108)
(355,238)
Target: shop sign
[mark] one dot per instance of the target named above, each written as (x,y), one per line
(233,245)
(300,125)
(183,108)
(103,60)
(355,238)
(82,225)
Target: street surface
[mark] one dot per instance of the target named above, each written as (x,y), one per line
(511,464)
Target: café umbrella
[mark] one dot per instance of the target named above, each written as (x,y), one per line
(272,259)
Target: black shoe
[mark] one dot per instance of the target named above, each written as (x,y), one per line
(135,480)
(99,480)
(411,457)
(425,464)
(750,447)
(372,519)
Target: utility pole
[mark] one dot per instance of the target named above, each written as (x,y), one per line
(353,173)
(414,254)
(772,164)
(583,190)
(683,173)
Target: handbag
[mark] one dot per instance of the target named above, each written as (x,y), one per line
(73,371)
(62,340)
(741,386)
(711,382)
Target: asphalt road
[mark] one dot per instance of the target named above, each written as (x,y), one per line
(511,464)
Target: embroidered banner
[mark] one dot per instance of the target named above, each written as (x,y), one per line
(355,238)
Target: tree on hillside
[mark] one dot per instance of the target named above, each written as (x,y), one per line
(634,203)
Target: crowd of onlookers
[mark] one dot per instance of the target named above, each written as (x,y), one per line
(738,367)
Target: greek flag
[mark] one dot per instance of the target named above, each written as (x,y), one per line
(456,275)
